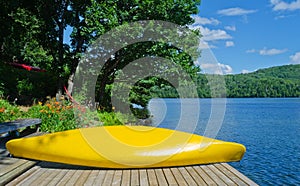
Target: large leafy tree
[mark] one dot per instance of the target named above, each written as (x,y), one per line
(103,16)
(20,34)
(35,31)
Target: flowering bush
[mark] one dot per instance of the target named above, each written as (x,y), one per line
(56,116)
(9,112)
(59,116)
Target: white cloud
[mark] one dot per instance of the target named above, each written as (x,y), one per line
(231,28)
(218,68)
(205,21)
(282,5)
(235,11)
(226,68)
(267,52)
(229,43)
(295,58)
(212,35)
(208,35)
(205,45)
(271,52)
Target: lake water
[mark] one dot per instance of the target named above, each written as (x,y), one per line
(268,127)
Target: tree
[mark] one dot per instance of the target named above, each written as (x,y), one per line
(42,24)
(103,16)
(20,30)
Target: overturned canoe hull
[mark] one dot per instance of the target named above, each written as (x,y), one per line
(126,147)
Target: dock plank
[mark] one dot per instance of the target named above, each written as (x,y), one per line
(99,179)
(220,174)
(108,177)
(83,177)
(169,176)
(91,179)
(10,172)
(117,178)
(59,174)
(230,175)
(66,177)
(125,178)
(152,177)
(73,179)
(50,175)
(195,176)
(58,177)
(23,177)
(134,180)
(14,163)
(214,177)
(204,176)
(187,176)
(34,177)
(241,176)
(143,177)
(41,177)
(160,177)
(178,176)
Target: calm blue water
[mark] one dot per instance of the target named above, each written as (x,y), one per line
(269,128)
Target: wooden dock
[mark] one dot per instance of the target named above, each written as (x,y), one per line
(24,172)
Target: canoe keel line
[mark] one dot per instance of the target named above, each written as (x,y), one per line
(126,147)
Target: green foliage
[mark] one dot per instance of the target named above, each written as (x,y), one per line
(60,116)
(144,90)
(2,90)
(112,118)
(56,116)
(26,86)
(22,39)
(9,112)
(282,81)
(109,118)
(34,32)
(102,16)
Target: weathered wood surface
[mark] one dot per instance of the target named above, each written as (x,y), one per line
(45,173)
(15,169)
(17,124)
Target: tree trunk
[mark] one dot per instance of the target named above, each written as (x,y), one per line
(71,83)
(59,90)
(104,99)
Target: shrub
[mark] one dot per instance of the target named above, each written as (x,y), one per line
(116,118)
(60,116)
(56,116)
(9,112)
(26,86)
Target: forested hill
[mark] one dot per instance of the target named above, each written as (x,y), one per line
(281,81)
(291,72)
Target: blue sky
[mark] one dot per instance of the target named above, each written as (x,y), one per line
(246,35)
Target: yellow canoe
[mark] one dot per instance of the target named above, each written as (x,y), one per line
(126,147)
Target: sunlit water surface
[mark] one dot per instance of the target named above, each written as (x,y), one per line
(268,127)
